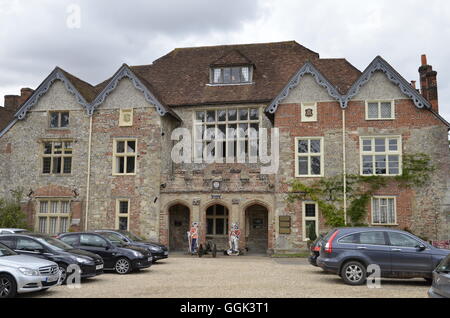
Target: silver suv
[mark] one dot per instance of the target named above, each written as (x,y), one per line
(24,274)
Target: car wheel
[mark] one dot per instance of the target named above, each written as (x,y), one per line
(354,273)
(63,273)
(123,266)
(8,286)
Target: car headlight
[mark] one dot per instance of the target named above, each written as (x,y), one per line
(28,271)
(154,248)
(82,260)
(138,254)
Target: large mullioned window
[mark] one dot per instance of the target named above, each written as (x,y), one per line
(309,157)
(57,157)
(233,131)
(381,156)
(53,216)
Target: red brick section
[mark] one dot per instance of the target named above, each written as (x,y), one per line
(407,116)
(428,83)
(54,191)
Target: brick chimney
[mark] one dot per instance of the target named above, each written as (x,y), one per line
(12,102)
(428,83)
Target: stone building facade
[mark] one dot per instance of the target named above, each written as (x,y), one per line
(91,157)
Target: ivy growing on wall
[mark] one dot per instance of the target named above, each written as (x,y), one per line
(329,192)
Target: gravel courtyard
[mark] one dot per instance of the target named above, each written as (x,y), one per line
(245,276)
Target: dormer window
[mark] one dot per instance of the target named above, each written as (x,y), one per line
(231,75)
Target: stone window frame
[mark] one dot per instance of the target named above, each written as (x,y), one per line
(309,155)
(122,121)
(226,222)
(305,106)
(57,213)
(227,122)
(120,215)
(373,153)
(373,212)
(379,102)
(309,218)
(59,112)
(126,155)
(221,81)
(65,153)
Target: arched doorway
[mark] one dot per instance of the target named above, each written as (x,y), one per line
(179,219)
(256,229)
(217,225)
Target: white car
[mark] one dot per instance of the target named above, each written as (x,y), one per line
(12,231)
(24,274)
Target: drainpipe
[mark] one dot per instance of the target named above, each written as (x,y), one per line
(344,167)
(88,181)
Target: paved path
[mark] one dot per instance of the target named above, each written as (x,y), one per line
(246,276)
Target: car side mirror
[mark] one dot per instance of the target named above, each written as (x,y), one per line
(421,247)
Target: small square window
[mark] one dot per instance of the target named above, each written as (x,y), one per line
(383,110)
(59,120)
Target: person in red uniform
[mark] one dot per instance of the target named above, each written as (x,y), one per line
(193,237)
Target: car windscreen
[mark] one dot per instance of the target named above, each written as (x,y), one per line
(132,236)
(114,238)
(6,251)
(444,266)
(54,243)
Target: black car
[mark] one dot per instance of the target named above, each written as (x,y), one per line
(118,256)
(46,247)
(158,251)
(315,250)
(441,280)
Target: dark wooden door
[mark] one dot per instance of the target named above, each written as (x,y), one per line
(179,226)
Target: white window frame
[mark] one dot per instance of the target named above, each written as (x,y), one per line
(387,152)
(379,102)
(309,218)
(378,197)
(122,215)
(125,154)
(305,106)
(57,214)
(227,157)
(309,155)
(221,68)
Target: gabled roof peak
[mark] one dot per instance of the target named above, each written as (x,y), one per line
(233,57)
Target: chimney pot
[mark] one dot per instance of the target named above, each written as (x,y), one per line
(424,60)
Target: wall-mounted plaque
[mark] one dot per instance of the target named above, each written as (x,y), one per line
(284,224)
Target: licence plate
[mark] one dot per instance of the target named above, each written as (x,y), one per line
(150,259)
(98,267)
(166,253)
(51,279)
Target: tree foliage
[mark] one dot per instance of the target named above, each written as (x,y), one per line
(11,214)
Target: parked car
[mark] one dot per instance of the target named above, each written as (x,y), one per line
(25,274)
(441,280)
(116,255)
(349,251)
(49,248)
(315,250)
(158,251)
(12,231)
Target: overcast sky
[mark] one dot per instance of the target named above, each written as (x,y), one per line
(37,35)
